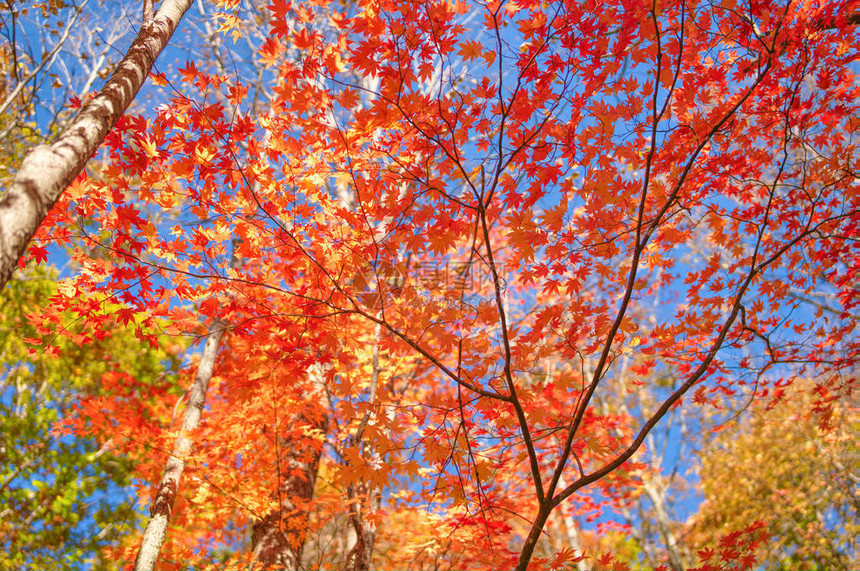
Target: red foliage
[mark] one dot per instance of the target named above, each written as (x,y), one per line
(530,201)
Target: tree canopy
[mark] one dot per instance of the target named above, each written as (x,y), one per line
(468,279)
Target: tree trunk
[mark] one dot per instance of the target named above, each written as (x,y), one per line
(48,169)
(676,558)
(162,506)
(278,538)
(361,534)
(571,530)
(534,535)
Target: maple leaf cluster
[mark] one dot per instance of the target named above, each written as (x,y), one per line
(456,229)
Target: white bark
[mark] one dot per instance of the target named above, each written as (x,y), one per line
(573,538)
(664,523)
(48,169)
(162,506)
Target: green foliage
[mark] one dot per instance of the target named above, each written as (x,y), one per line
(61,499)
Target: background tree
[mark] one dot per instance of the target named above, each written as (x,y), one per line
(55,52)
(792,469)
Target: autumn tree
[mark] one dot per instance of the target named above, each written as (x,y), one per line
(528,181)
(791,468)
(29,99)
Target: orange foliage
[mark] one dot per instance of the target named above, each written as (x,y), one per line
(523,189)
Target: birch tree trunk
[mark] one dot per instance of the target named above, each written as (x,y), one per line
(162,506)
(664,522)
(48,169)
(571,530)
